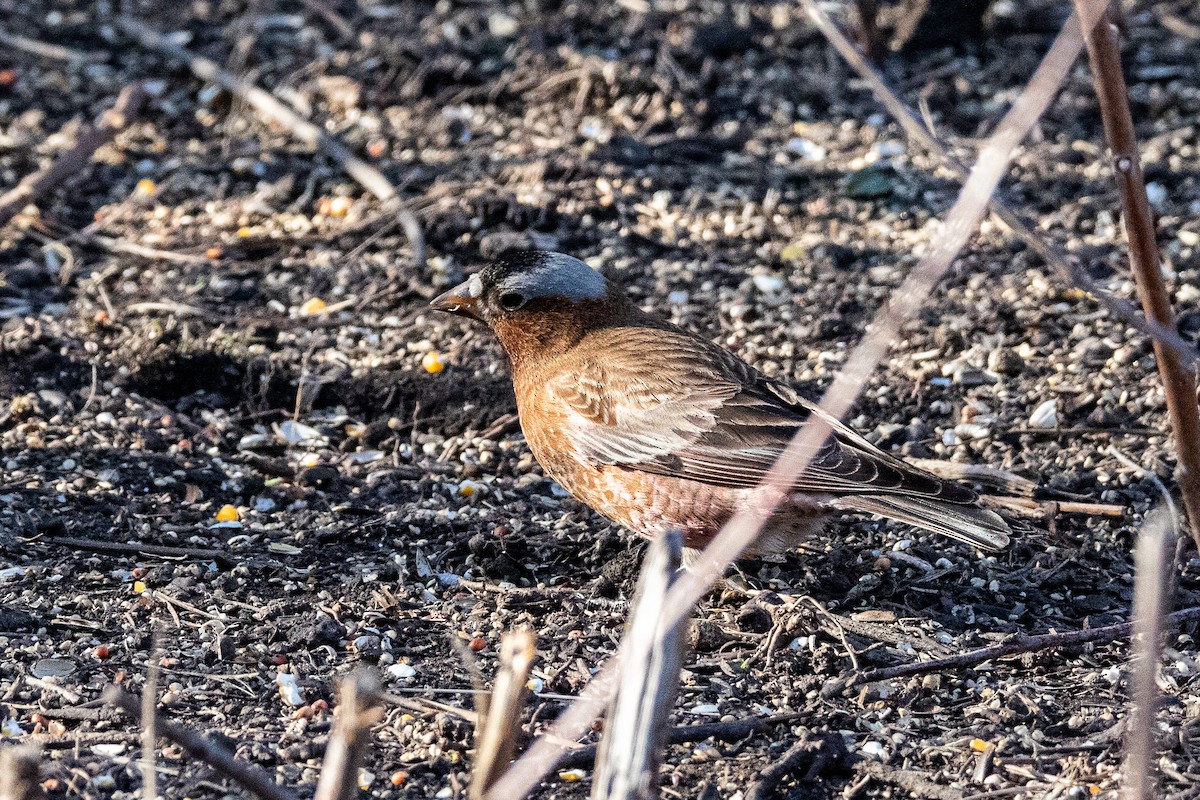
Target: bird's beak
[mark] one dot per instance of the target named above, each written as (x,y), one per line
(462,299)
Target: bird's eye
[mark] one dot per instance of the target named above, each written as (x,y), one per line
(511,301)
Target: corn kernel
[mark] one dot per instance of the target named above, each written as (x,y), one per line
(228,513)
(139,587)
(338,206)
(313,306)
(432,362)
(145,187)
(572,775)
(400,777)
(979,745)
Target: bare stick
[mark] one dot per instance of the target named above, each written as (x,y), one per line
(20,774)
(1179,385)
(358,709)
(638,717)
(972,202)
(124,548)
(272,109)
(1013,646)
(74,160)
(254,778)
(499,727)
(149,728)
(917,132)
(46,50)
(1152,561)
(815,754)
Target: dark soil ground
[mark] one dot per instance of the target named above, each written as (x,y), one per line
(722,164)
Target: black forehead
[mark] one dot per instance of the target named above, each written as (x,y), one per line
(513,262)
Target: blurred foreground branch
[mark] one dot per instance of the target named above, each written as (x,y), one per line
(358,709)
(636,731)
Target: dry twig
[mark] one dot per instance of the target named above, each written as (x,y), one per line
(1151,598)
(358,709)
(272,109)
(499,723)
(1179,384)
(1013,646)
(251,776)
(636,731)
(74,160)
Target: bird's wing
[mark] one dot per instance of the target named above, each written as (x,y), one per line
(665,402)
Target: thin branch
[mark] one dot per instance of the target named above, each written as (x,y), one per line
(1068,270)
(272,109)
(47,50)
(358,709)
(993,162)
(149,720)
(76,159)
(638,717)
(1179,384)
(1014,646)
(254,778)
(1151,597)
(221,557)
(499,725)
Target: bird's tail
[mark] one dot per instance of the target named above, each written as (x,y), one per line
(967,523)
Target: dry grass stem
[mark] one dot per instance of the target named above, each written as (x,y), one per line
(920,134)
(20,773)
(499,725)
(638,717)
(1153,583)
(358,709)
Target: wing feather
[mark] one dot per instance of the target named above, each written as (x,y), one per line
(705,415)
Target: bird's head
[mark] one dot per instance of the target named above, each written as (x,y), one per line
(535,301)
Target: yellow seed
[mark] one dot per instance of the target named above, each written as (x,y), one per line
(572,775)
(312,306)
(979,745)
(228,514)
(245,232)
(432,362)
(339,206)
(145,187)
(1094,789)
(139,587)
(466,490)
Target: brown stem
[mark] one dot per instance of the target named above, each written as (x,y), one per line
(1179,385)
(74,160)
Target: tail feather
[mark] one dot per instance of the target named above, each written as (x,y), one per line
(967,523)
